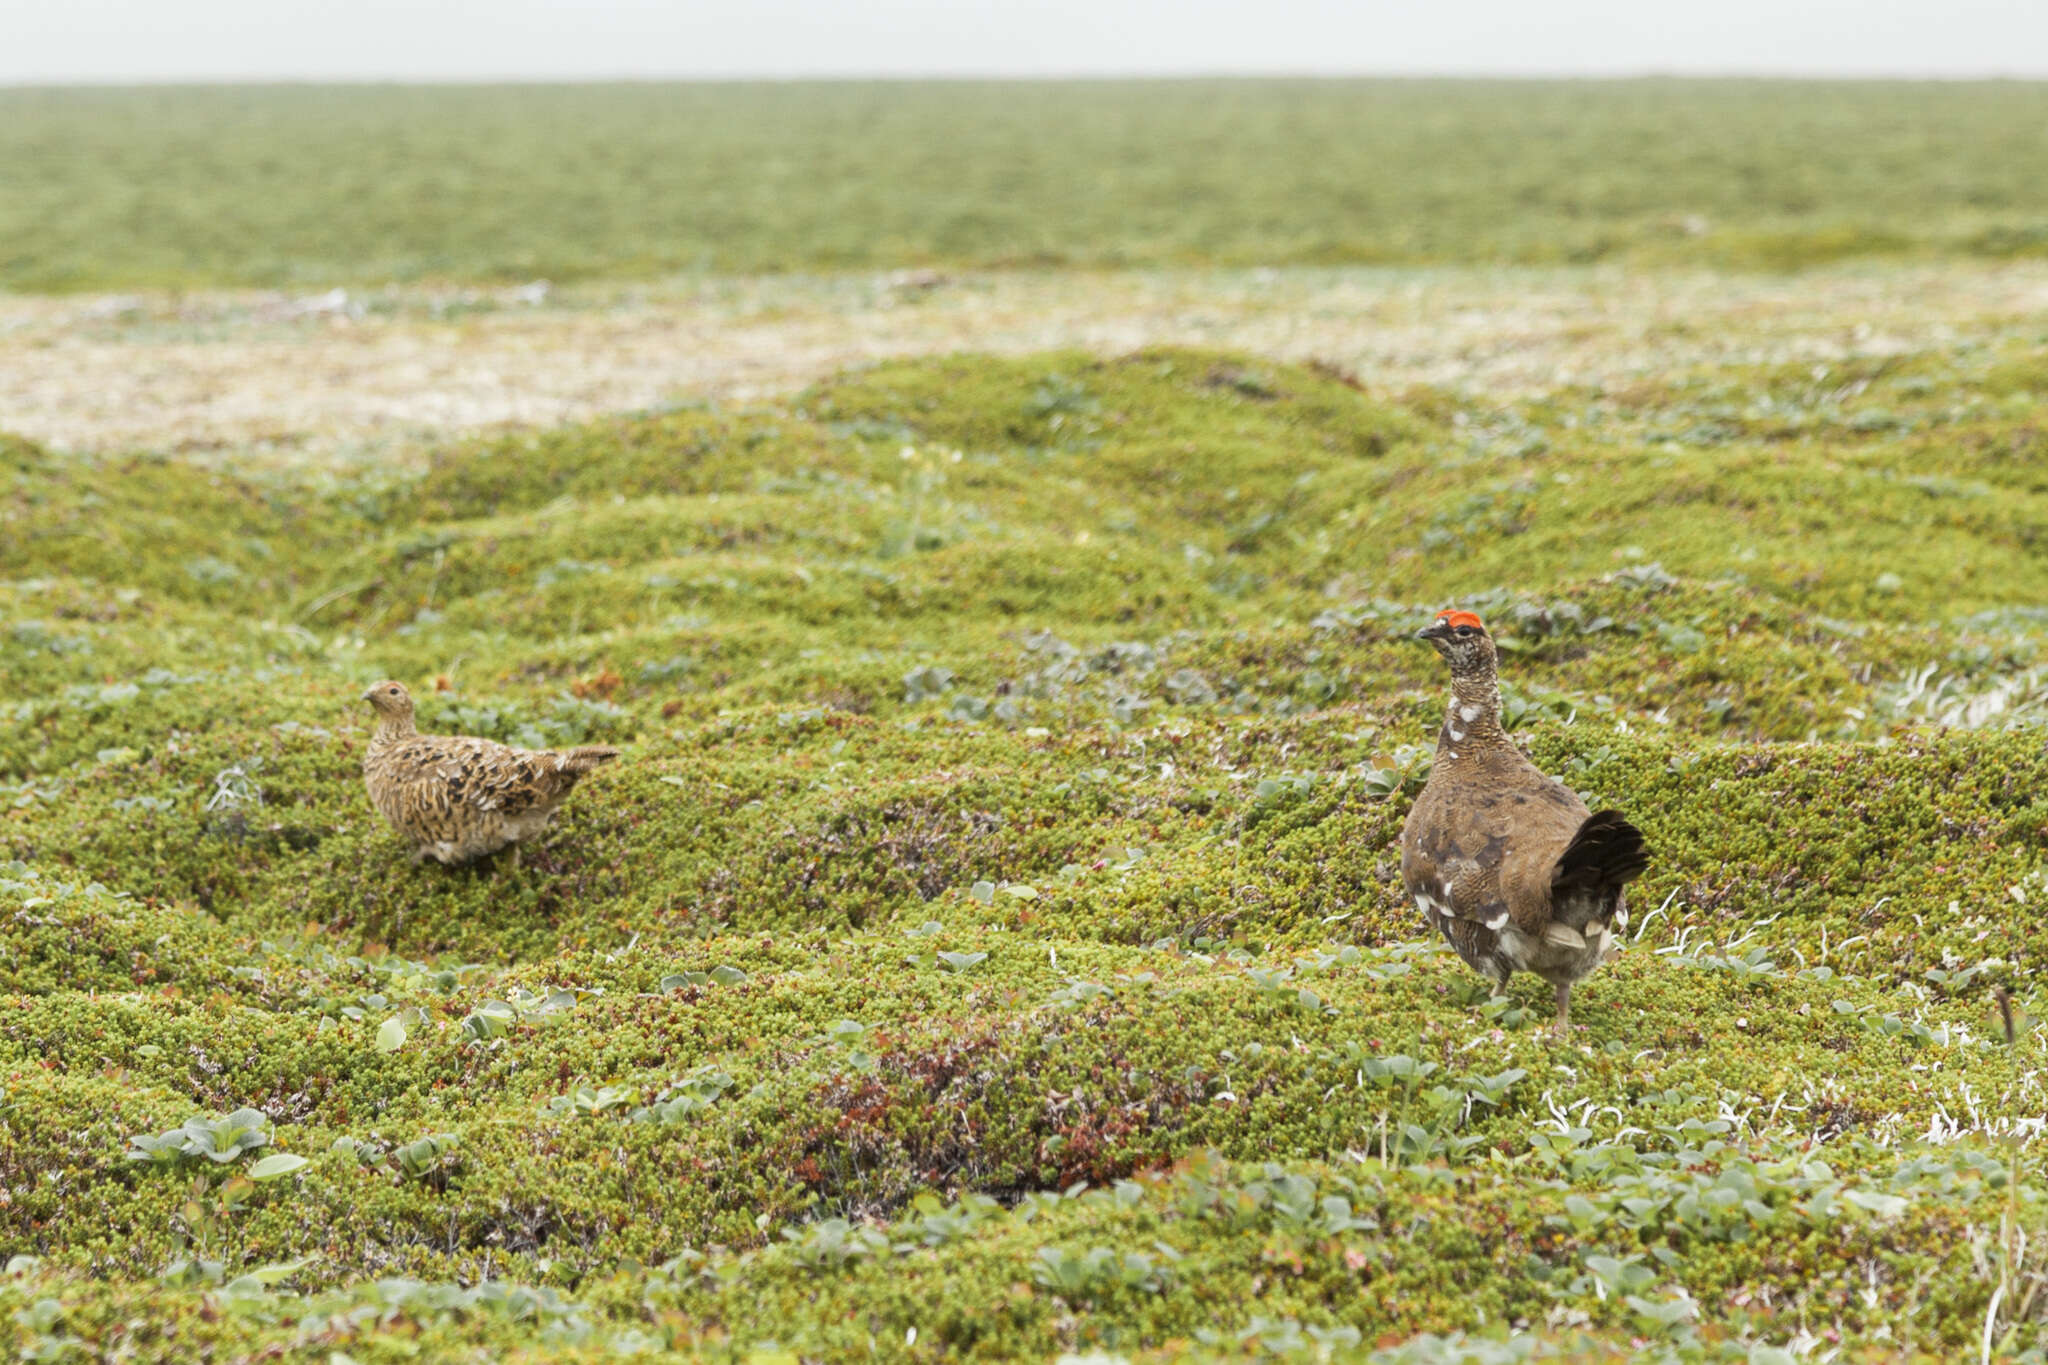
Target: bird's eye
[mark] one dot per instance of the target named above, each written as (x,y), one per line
(1464,630)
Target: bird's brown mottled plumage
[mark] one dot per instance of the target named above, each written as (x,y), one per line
(457,798)
(1507,864)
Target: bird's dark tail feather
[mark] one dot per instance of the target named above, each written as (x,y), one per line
(1607,852)
(589,756)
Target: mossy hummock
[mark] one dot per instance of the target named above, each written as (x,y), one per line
(992,942)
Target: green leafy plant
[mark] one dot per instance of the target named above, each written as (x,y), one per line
(687,1098)
(585,1102)
(833,1243)
(1091,1275)
(222,1141)
(1403,772)
(495,1019)
(721,975)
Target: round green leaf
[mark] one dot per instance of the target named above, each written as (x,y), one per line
(271,1167)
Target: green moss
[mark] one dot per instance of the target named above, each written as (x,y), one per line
(994,825)
(175,188)
(1807,247)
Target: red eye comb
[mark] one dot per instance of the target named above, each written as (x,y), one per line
(1461,618)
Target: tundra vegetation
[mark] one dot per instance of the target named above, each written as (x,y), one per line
(298,186)
(990,943)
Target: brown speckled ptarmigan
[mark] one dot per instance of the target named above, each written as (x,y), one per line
(1507,864)
(456,798)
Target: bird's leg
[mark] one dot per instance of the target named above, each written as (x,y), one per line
(1497,987)
(515,857)
(1564,1009)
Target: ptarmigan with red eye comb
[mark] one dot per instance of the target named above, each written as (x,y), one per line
(456,798)
(1507,864)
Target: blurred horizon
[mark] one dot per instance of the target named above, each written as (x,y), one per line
(180,186)
(514,80)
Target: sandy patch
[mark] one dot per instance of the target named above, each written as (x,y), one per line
(377,373)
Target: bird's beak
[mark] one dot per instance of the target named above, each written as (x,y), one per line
(368,693)
(1435,630)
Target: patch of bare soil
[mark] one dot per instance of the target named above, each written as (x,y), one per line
(380,373)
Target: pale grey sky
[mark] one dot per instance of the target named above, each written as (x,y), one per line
(129,40)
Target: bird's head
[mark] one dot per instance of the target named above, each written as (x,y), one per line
(1460,636)
(389,699)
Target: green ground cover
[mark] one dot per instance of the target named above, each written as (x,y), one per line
(303,186)
(990,943)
